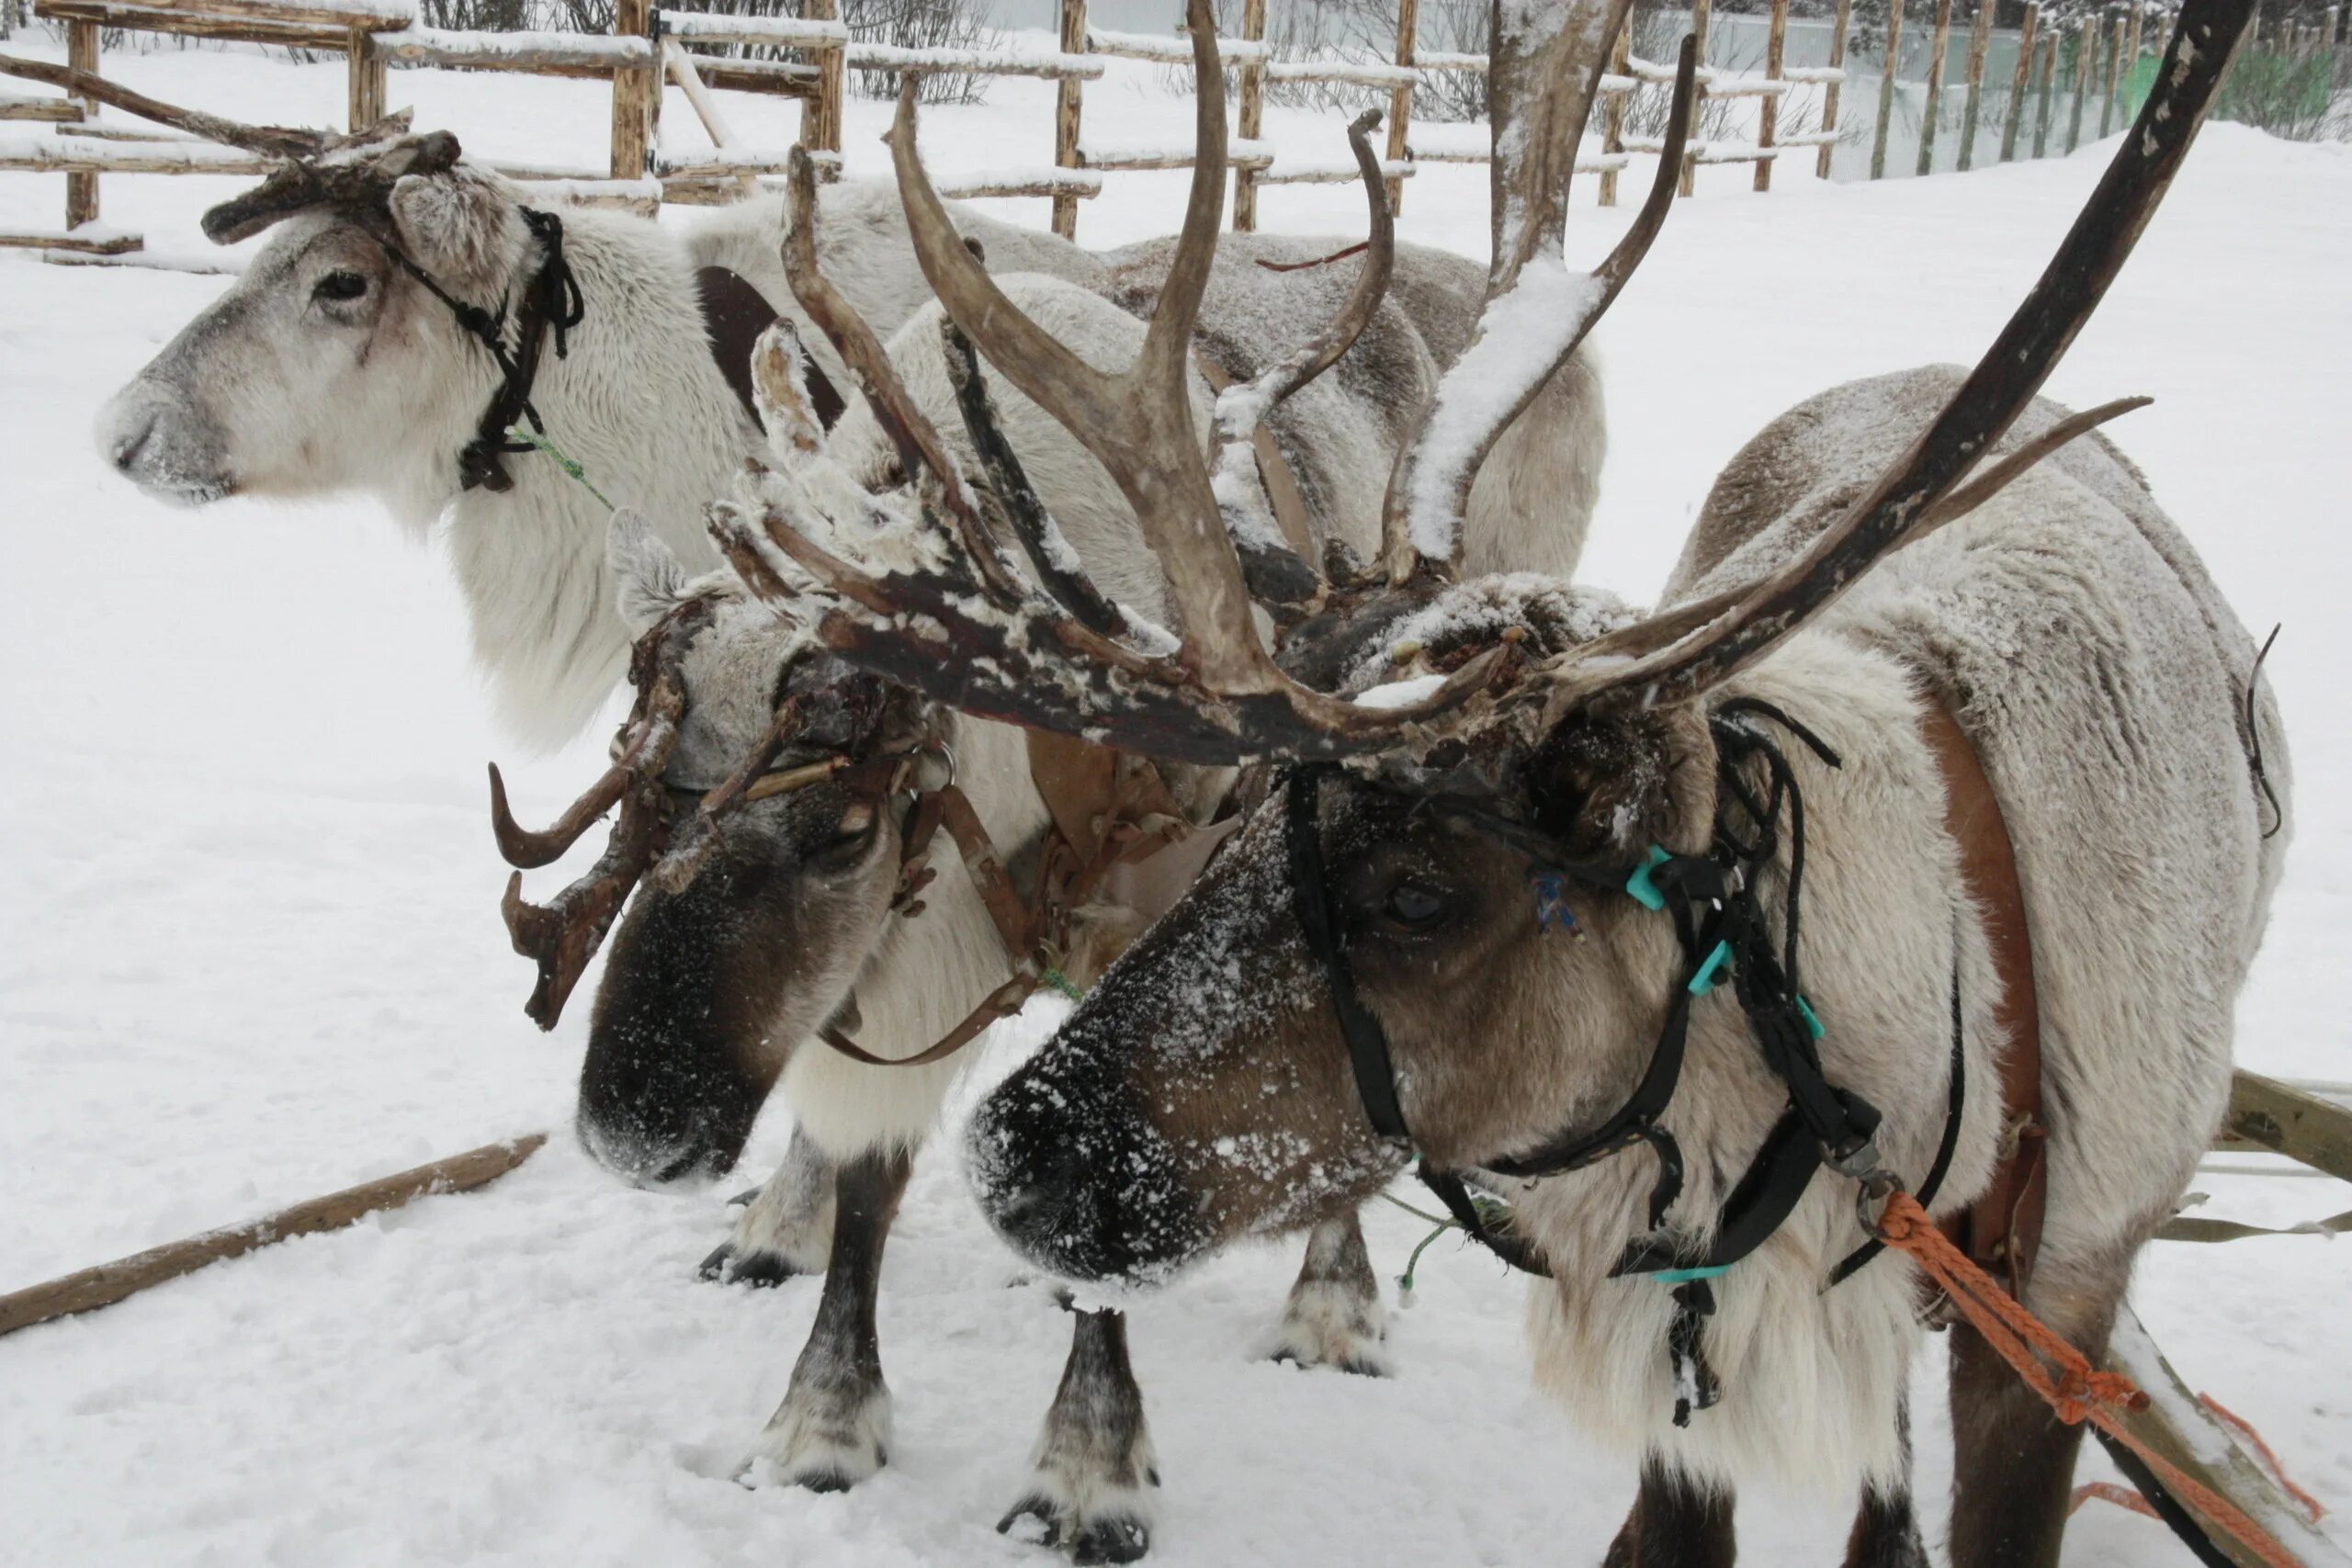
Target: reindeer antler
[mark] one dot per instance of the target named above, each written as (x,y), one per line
(564,934)
(358,170)
(1681,656)
(954,628)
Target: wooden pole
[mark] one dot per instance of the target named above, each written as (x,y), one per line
(2085,46)
(1886,87)
(110,1282)
(679,66)
(2114,77)
(634,88)
(366,85)
(1250,118)
(1701,10)
(82,54)
(2021,85)
(820,117)
(2049,79)
(1934,111)
(1980,39)
(1069,98)
(1612,112)
(1400,97)
(1834,91)
(2131,47)
(1768,122)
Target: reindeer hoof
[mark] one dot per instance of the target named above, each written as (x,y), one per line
(1115,1534)
(824,1439)
(761,1270)
(1330,1325)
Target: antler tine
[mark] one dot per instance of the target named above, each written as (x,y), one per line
(1498,375)
(1901,503)
(269,141)
(527,851)
(1275,574)
(563,935)
(1137,425)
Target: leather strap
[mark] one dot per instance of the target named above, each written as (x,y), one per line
(2002,1233)
(1282,493)
(734,314)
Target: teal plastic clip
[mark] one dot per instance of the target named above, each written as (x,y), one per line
(1812,1021)
(1684,1276)
(1710,970)
(1639,885)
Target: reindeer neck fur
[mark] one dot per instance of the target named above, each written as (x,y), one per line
(640,406)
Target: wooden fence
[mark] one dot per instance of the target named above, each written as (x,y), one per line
(2086,58)
(649,48)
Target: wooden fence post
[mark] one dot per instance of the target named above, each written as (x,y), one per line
(2085,47)
(1400,97)
(2114,76)
(1886,87)
(82,54)
(1070,99)
(2049,78)
(1834,90)
(2131,47)
(1768,113)
(1612,112)
(366,86)
(1250,117)
(1701,10)
(1980,37)
(635,91)
(2021,87)
(820,117)
(1934,110)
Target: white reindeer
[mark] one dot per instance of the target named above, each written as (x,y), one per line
(1527,905)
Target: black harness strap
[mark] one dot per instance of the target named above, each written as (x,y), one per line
(550,299)
(1367,1042)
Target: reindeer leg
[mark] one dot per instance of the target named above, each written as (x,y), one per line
(787,1228)
(1334,1318)
(834,1428)
(1887,1531)
(1677,1522)
(1093,1463)
(2013,1460)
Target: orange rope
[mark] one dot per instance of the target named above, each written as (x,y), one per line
(2075,1390)
(2108,1492)
(2309,1505)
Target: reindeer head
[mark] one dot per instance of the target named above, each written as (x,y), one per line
(1219,1082)
(284,384)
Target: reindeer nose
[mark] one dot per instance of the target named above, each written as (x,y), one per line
(1035,1204)
(131,439)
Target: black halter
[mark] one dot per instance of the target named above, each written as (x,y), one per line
(1721,925)
(551,298)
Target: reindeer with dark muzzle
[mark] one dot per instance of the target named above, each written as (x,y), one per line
(1699,935)
(788,813)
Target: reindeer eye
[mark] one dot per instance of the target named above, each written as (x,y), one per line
(340,286)
(1413,906)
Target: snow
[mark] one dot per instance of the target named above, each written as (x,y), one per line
(252,954)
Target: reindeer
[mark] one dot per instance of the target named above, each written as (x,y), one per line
(781,948)
(340,361)
(1640,921)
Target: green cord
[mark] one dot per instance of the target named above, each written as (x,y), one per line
(539,442)
(1492,1211)
(1055,980)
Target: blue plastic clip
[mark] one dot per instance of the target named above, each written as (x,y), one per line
(1812,1021)
(1552,911)
(1710,968)
(1639,885)
(1684,1276)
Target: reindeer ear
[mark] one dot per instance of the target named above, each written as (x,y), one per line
(1608,789)
(460,225)
(649,577)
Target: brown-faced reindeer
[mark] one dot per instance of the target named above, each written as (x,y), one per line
(765,950)
(1527,904)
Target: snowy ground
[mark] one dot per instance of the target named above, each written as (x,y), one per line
(249,951)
